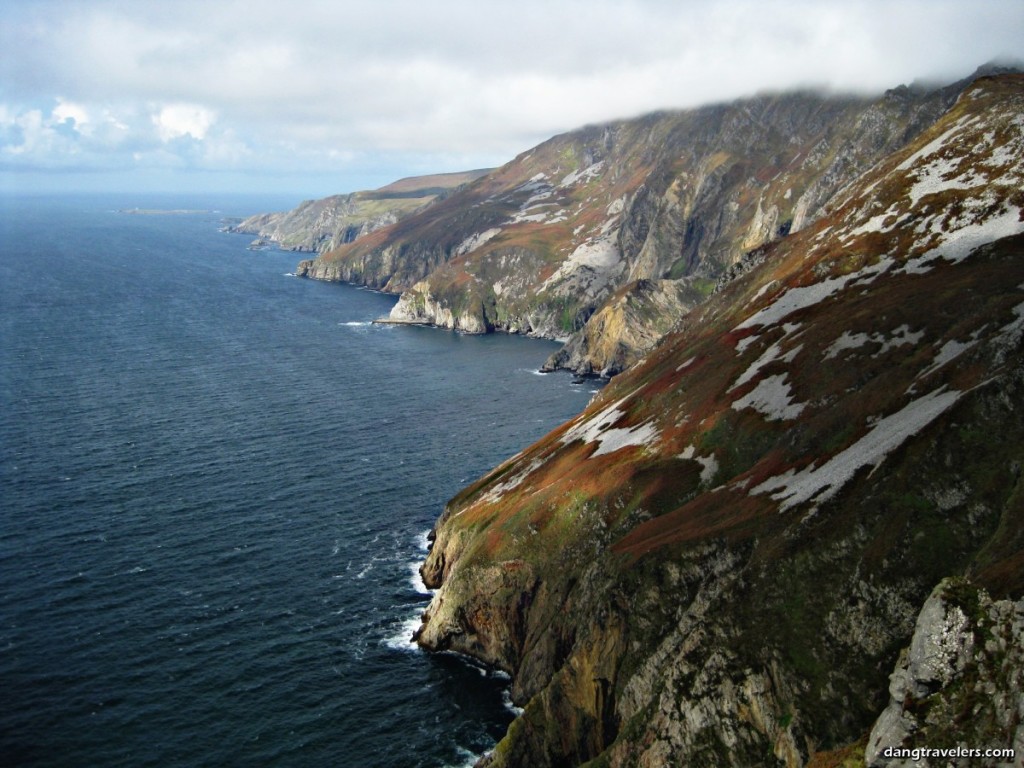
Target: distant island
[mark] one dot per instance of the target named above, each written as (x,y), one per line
(162,212)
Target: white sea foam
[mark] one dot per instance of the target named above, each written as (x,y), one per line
(506,698)
(401,638)
(356,323)
(417,581)
(423,540)
(470,759)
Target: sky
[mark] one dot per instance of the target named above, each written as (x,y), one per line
(317,97)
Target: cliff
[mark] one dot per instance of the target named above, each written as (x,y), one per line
(568,239)
(325,224)
(726,556)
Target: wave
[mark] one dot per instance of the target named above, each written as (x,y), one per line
(417,581)
(506,699)
(366,570)
(401,638)
(471,758)
(356,323)
(423,541)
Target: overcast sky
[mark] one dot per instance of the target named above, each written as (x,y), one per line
(315,97)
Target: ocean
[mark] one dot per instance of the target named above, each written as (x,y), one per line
(216,481)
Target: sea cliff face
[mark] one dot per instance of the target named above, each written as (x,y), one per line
(606,236)
(722,560)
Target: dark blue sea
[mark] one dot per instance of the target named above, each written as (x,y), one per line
(215,484)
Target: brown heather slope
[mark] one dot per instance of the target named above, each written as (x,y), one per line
(583,226)
(720,560)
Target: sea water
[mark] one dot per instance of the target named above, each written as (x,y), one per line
(215,485)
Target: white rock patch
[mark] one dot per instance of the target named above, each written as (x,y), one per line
(709,463)
(545,217)
(474,241)
(588,430)
(764,289)
(615,439)
(874,224)
(771,398)
(886,435)
(950,351)
(599,430)
(616,207)
(959,245)
(936,145)
(590,268)
(495,492)
(586,174)
(802,297)
(900,336)
(773,353)
(1009,334)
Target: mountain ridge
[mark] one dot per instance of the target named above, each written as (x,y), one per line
(721,559)
(327,223)
(544,243)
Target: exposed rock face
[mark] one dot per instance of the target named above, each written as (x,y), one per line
(630,323)
(323,225)
(964,667)
(720,560)
(567,239)
(420,307)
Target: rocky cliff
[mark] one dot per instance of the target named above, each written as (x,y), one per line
(965,666)
(326,224)
(570,239)
(723,560)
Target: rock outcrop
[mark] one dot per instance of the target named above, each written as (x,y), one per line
(628,324)
(964,668)
(720,561)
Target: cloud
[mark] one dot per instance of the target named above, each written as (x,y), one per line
(177,120)
(310,85)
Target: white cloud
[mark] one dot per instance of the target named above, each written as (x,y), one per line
(66,110)
(311,84)
(177,120)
